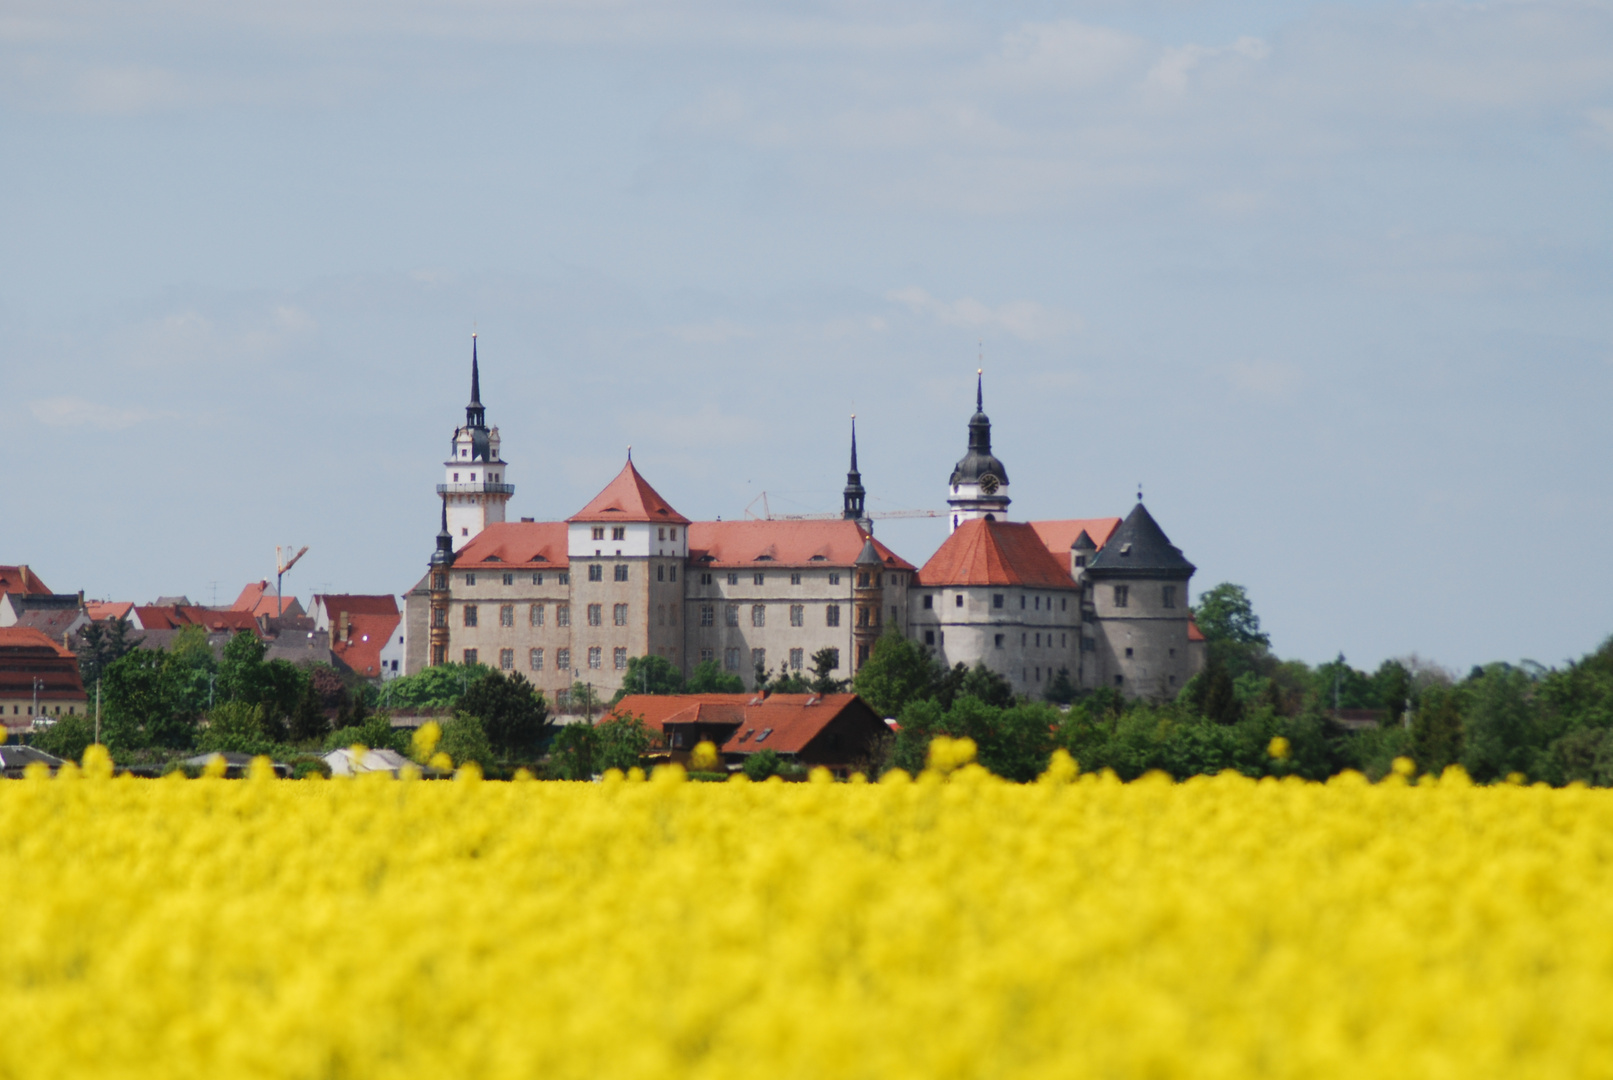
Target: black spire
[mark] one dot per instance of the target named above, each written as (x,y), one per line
(854,493)
(979,460)
(475,415)
(444,555)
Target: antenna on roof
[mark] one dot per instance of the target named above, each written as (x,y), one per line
(1139,491)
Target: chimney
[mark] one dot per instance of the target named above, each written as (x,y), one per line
(81,600)
(23,569)
(344,630)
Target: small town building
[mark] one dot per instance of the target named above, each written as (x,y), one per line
(38,678)
(365,632)
(837,731)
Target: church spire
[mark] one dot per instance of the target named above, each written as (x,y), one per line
(444,555)
(854,494)
(475,414)
(979,484)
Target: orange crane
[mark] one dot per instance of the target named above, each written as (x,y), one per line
(875,515)
(281,565)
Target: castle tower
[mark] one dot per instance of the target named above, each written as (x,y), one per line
(867,600)
(979,484)
(437,590)
(475,489)
(854,495)
(1137,586)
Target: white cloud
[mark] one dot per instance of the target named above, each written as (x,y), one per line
(1063,55)
(1025,319)
(76,412)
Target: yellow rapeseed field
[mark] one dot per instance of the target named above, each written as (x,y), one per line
(935,928)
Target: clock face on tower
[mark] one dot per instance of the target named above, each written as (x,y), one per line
(988,484)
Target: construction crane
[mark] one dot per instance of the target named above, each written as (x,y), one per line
(876,515)
(281,565)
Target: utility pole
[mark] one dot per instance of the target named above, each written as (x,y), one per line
(97,712)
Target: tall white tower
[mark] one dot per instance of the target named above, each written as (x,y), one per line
(979,484)
(474,490)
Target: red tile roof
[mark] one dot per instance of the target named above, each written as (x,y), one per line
(22,580)
(629,497)
(258,599)
(101,609)
(1193,631)
(791,720)
(1059,536)
(178,616)
(785,543)
(369,628)
(28,654)
(981,552)
(529,545)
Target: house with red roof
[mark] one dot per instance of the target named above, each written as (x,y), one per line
(20,579)
(837,731)
(39,679)
(261,601)
(366,632)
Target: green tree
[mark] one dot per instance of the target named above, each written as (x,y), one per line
(1498,724)
(512,711)
(649,675)
(375,732)
(1225,613)
(236,727)
(1391,686)
(762,764)
(621,742)
(308,722)
(788,682)
(144,705)
(824,663)
(571,754)
(100,645)
(896,672)
(708,678)
(1061,688)
(67,738)
(464,740)
(434,689)
(1436,730)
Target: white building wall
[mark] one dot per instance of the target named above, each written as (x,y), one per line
(1026,637)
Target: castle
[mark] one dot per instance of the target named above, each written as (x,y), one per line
(1103,599)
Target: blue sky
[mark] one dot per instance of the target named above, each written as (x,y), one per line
(1333,282)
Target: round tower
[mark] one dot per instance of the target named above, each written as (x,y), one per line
(474,489)
(979,484)
(442,560)
(867,601)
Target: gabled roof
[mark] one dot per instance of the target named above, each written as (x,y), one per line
(523,545)
(28,655)
(790,720)
(102,609)
(258,599)
(981,552)
(629,497)
(1140,548)
(20,579)
(371,621)
(754,544)
(178,616)
(1060,536)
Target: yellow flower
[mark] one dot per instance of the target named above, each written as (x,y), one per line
(1278,748)
(704,757)
(423,743)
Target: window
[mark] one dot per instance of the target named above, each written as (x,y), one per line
(997,600)
(757,579)
(470,579)
(730,616)
(708,655)
(1038,641)
(456,477)
(672,572)
(562,614)
(795,578)
(1170,596)
(619,615)
(660,534)
(896,614)
(758,615)
(1022,603)
(660,573)
(599,532)
(506,659)
(535,615)
(1120,680)
(1064,603)
(509,579)
(862,654)
(1089,644)
(470,614)
(862,616)
(596,614)
(660,614)
(705,579)
(957,600)
(797,659)
(672,533)
(537,579)
(999,641)
(730,659)
(765,733)
(618,532)
(1064,641)
(439,581)
(1173,654)
(1128,652)
(619,658)
(621,571)
(929,637)
(1122,595)
(535,660)
(797,614)
(758,659)
(1080,560)
(506,615)
(929,602)
(564,577)
(831,615)
(594,656)
(672,615)
(733,579)
(834,579)
(439,617)
(862,580)
(708,615)
(562,659)
(596,572)
(470,656)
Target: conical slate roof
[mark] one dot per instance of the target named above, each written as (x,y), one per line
(869,556)
(1140,548)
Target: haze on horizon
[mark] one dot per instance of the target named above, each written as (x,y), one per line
(1332,281)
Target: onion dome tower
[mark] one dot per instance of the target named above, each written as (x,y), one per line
(474,489)
(979,484)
